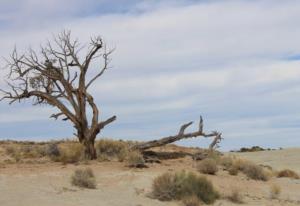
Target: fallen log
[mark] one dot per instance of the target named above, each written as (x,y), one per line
(181,135)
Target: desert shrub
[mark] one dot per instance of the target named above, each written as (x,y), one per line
(52,150)
(30,151)
(275,191)
(255,172)
(235,197)
(71,154)
(84,178)
(233,170)
(191,201)
(208,166)
(288,173)
(182,185)
(111,149)
(10,150)
(135,159)
(226,161)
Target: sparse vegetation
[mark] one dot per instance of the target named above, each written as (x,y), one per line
(236,197)
(275,191)
(111,149)
(255,172)
(71,154)
(250,169)
(191,201)
(182,185)
(233,170)
(288,173)
(84,178)
(135,159)
(207,166)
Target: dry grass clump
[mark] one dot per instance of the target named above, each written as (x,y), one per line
(73,153)
(233,170)
(252,170)
(275,191)
(111,149)
(226,162)
(208,166)
(135,159)
(255,172)
(181,185)
(191,201)
(84,178)
(288,173)
(236,197)
(52,150)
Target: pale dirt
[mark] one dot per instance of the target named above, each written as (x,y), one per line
(48,184)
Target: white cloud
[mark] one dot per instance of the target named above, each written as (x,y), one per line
(224,57)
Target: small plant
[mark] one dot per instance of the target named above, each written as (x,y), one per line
(233,170)
(84,178)
(288,173)
(208,166)
(183,185)
(235,197)
(191,201)
(275,191)
(136,159)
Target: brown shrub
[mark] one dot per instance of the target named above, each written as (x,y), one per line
(191,201)
(135,159)
(275,191)
(207,166)
(111,149)
(84,178)
(73,153)
(288,173)
(233,170)
(235,197)
(255,172)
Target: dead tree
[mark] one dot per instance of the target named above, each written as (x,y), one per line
(181,135)
(56,76)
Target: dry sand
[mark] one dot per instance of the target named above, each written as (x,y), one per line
(49,184)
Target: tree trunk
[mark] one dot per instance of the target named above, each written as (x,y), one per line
(89,149)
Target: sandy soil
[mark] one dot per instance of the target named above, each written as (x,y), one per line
(49,184)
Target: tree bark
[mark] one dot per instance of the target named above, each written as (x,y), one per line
(89,149)
(179,136)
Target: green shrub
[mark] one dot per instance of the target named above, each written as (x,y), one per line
(288,173)
(182,185)
(84,178)
(208,166)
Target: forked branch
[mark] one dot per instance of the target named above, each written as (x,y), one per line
(181,135)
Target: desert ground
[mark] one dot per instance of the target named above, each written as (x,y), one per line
(48,183)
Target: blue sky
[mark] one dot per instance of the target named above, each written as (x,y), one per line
(234,62)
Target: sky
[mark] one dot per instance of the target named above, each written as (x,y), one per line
(235,62)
